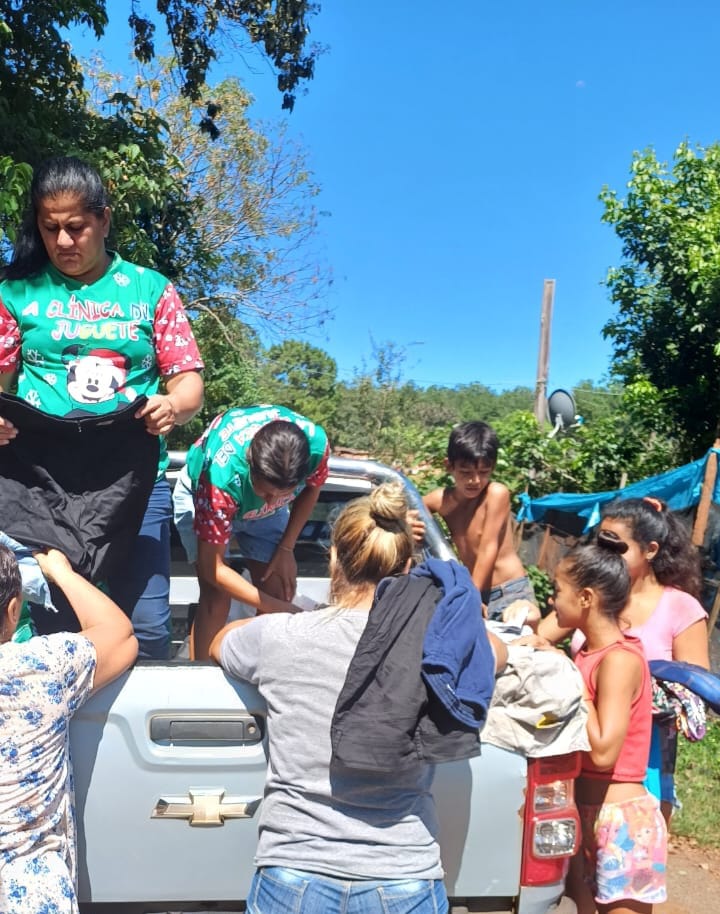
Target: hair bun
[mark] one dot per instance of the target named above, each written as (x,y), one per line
(388,504)
(612,542)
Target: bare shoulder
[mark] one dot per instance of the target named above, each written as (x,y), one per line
(620,668)
(498,492)
(436,501)
(497,498)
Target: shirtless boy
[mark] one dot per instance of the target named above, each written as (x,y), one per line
(477,514)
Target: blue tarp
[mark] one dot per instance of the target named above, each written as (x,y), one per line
(679,488)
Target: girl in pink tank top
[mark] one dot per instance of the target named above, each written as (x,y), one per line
(621,864)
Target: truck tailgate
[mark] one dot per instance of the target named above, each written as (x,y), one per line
(480,804)
(147,744)
(159,791)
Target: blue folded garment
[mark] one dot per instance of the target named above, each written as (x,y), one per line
(34,586)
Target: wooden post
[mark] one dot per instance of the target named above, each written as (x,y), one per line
(712,620)
(542,554)
(544,351)
(703,511)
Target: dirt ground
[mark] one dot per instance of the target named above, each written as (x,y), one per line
(693,879)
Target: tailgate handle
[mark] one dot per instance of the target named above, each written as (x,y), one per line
(243,730)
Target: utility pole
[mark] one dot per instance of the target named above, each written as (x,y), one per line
(544,351)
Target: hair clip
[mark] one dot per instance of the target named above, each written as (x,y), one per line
(612,542)
(654,503)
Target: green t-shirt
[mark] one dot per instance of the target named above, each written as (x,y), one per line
(219,455)
(88,349)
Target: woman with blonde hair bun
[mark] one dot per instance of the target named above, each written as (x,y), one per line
(371,540)
(333,838)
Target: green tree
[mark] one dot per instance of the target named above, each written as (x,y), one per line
(38,52)
(596,401)
(14,182)
(246,236)
(45,107)
(303,377)
(230,351)
(667,288)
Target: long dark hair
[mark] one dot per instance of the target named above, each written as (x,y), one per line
(603,570)
(53,177)
(280,454)
(677,563)
(10,581)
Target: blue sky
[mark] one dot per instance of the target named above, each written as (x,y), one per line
(461,149)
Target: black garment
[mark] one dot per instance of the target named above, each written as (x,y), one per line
(80,485)
(385,717)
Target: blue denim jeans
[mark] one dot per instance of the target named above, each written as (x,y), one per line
(499,598)
(142,588)
(279,890)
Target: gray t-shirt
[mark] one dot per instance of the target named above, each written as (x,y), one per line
(346,823)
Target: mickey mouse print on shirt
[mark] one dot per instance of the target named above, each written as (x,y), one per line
(97,376)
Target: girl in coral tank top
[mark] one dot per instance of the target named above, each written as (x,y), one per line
(663,610)
(621,865)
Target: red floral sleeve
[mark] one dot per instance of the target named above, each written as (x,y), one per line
(214,513)
(175,345)
(320,473)
(9,341)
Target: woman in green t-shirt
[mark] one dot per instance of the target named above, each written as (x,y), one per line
(84,332)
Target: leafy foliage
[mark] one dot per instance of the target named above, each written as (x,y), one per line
(280,27)
(14,182)
(698,783)
(230,351)
(236,225)
(157,203)
(628,434)
(542,585)
(254,222)
(667,289)
(37,57)
(302,377)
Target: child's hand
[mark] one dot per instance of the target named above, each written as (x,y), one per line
(536,641)
(516,613)
(7,431)
(522,612)
(417,526)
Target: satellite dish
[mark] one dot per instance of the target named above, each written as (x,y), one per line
(561,410)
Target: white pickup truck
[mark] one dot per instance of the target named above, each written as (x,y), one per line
(170,766)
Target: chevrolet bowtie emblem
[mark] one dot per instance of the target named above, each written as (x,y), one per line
(205,808)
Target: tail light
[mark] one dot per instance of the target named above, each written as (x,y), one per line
(551,832)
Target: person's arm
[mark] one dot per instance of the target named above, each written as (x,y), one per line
(500,651)
(10,351)
(497,517)
(618,678)
(7,430)
(433,501)
(283,562)
(416,524)
(211,568)
(101,620)
(7,379)
(691,645)
(549,629)
(216,644)
(183,399)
